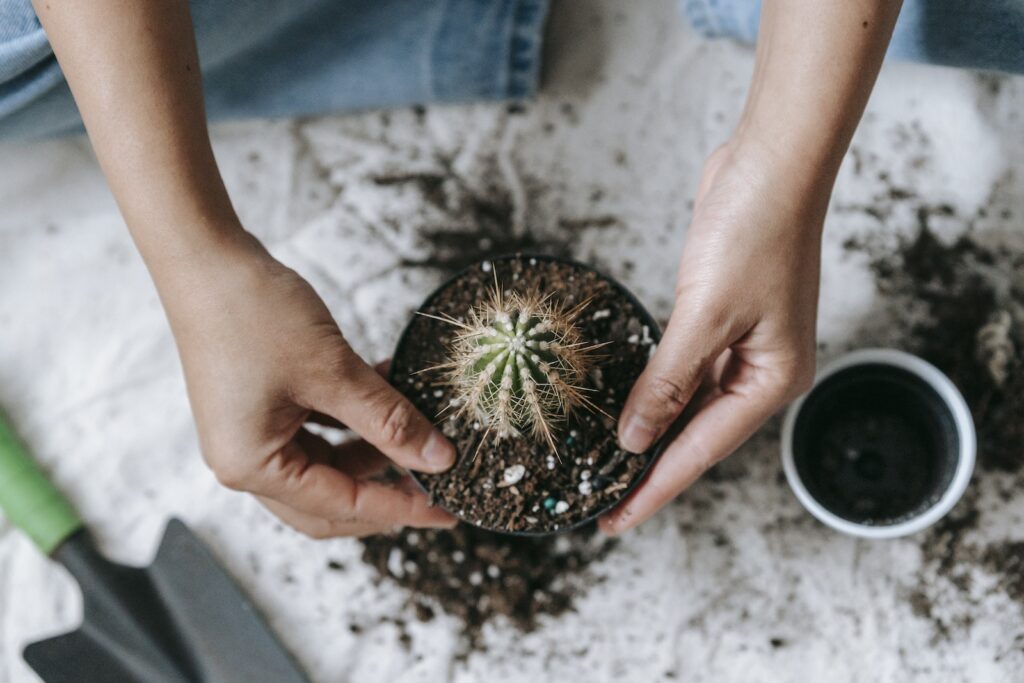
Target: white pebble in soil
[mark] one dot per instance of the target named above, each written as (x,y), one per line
(586,488)
(513,475)
(560,507)
(395,563)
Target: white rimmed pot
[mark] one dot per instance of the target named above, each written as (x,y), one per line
(938,398)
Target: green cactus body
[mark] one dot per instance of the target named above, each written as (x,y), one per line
(517,365)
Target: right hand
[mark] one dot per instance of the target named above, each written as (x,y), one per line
(261,355)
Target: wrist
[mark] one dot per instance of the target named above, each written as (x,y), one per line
(193,274)
(794,178)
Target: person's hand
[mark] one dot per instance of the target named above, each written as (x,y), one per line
(262,356)
(740,342)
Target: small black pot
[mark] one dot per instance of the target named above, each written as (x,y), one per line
(402,382)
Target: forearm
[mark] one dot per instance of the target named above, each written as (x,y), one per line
(134,72)
(817,61)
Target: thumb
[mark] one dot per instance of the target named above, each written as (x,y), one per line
(359,397)
(687,350)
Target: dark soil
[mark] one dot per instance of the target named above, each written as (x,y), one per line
(477,575)
(874,446)
(590,473)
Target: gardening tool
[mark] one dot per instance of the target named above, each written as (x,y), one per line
(180,619)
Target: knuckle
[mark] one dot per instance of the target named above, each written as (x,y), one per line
(397,422)
(232,476)
(796,380)
(667,394)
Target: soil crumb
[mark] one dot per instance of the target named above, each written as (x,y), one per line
(477,575)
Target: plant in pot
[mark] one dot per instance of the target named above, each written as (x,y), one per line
(525,362)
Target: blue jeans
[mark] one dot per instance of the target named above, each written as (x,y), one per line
(974,34)
(269,58)
(272,58)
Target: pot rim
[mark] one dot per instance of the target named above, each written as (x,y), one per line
(954,403)
(652,453)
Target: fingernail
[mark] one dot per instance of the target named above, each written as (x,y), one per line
(637,435)
(437,452)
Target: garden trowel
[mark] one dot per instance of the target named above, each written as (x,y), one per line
(180,619)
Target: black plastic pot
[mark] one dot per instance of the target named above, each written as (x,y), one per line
(655,332)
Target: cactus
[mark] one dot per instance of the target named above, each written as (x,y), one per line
(517,365)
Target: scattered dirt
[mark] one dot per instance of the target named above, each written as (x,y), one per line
(972,328)
(476,575)
(963,305)
(549,491)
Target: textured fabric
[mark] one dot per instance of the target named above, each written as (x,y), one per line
(983,34)
(266,58)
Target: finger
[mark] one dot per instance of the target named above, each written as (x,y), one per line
(357,458)
(318,527)
(362,399)
(689,346)
(323,420)
(715,431)
(294,478)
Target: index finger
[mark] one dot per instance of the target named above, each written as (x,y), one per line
(292,478)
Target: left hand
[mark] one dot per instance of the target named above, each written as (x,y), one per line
(740,342)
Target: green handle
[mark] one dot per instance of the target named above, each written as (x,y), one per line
(27,497)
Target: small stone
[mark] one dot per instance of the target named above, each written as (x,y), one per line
(533,262)
(530,520)
(603,313)
(573,433)
(513,475)
(586,488)
(410,567)
(413,538)
(633,339)
(585,474)
(438,393)
(560,507)
(493,571)
(395,563)
(476,578)
(549,503)
(458,557)
(485,266)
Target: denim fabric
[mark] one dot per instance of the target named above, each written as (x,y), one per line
(983,34)
(267,58)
